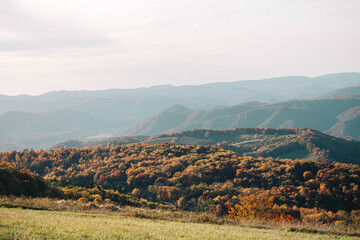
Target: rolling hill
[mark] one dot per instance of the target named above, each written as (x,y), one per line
(306,144)
(348,125)
(326,115)
(342,92)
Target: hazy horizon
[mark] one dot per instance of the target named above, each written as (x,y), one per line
(173,85)
(90,45)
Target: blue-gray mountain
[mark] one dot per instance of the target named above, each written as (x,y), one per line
(339,117)
(41,121)
(135,104)
(342,92)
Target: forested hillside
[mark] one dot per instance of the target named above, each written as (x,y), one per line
(338,116)
(26,184)
(202,178)
(307,144)
(14,182)
(104,142)
(342,92)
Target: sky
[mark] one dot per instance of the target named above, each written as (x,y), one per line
(91,44)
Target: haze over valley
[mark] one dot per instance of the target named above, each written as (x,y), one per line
(38,122)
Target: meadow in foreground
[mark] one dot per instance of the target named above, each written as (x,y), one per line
(34,224)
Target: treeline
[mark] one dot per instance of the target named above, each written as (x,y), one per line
(255,142)
(276,142)
(105,142)
(17,183)
(197,178)
(323,146)
(24,183)
(269,142)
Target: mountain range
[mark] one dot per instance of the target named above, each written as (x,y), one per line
(337,116)
(135,104)
(42,121)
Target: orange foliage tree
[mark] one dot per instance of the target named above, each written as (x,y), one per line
(253,206)
(261,207)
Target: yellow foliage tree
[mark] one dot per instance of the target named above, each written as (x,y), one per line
(135,192)
(253,206)
(98,201)
(83,200)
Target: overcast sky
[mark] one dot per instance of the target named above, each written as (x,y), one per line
(90,44)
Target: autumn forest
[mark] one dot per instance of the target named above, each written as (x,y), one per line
(189,177)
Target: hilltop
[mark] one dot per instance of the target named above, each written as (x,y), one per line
(337,116)
(307,144)
(342,92)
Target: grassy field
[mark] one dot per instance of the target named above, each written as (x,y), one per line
(300,154)
(18,223)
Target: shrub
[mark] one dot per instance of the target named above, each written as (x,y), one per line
(83,200)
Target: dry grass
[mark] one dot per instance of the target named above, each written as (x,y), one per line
(15,211)
(35,224)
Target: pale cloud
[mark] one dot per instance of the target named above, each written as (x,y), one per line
(90,44)
(22,30)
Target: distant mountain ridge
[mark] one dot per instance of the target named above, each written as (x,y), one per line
(113,111)
(342,92)
(325,115)
(143,102)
